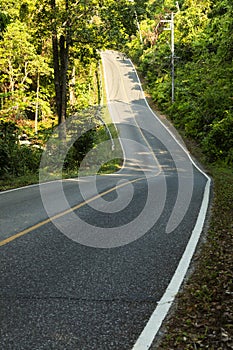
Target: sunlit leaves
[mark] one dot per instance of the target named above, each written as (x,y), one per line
(19,64)
(203,70)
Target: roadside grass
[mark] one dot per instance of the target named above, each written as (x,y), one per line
(10,182)
(111,167)
(112,160)
(109,158)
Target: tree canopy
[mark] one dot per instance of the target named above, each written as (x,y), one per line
(50,62)
(51,48)
(203,105)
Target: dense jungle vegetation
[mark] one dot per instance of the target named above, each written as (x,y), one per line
(203,38)
(50,68)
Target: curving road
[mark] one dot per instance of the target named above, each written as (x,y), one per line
(95,262)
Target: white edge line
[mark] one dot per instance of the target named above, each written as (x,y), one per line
(170,132)
(153,325)
(30,186)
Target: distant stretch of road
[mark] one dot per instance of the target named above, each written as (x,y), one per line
(96,261)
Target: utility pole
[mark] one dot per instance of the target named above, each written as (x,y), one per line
(173,57)
(37,101)
(171,28)
(138,25)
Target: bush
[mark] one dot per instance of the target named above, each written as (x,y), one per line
(218,144)
(15,159)
(79,149)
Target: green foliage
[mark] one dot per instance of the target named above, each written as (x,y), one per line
(27,55)
(79,149)
(218,143)
(20,65)
(4,21)
(93,142)
(203,70)
(15,159)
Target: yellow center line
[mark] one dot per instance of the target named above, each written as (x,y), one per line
(63,213)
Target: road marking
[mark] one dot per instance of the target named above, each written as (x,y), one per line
(27,186)
(167,128)
(128,103)
(153,325)
(65,212)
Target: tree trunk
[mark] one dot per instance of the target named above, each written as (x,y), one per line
(72,86)
(64,52)
(60,65)
(57,79)
(98,84)
(37,101)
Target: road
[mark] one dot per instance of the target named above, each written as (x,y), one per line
(95,262)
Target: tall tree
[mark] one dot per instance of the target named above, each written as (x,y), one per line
(19,63)
(60,57)
(67,22)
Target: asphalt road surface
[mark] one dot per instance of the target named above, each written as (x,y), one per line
(95,262)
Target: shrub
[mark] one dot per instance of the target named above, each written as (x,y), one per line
(218,144)
(15,159)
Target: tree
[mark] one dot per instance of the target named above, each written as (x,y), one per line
(19,64)
(68,24)
(203,70)
(4,21)
(65,33)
